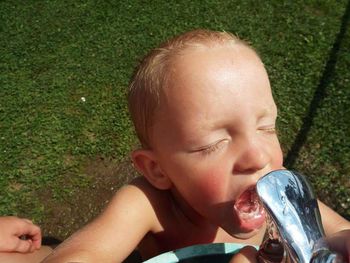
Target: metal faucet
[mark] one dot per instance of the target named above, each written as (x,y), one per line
(295,231)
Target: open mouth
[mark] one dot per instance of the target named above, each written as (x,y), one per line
(249,210)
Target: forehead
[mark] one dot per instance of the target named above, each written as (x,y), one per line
(201,74)
(208,85)
(216,64)
(213,57)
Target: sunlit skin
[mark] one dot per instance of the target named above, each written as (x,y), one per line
(13,248)
(215,135)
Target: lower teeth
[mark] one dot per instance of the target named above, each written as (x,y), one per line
(252,214)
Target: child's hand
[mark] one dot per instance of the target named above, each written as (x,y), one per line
(18,235)
(340,242)
(246,254)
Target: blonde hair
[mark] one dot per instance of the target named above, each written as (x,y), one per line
(152,75)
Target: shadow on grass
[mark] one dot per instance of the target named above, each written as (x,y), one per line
(319,94)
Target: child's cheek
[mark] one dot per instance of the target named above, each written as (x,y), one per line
(213,184)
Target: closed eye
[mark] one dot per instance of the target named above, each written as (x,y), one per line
(268,129)
(206,150)
(210,149)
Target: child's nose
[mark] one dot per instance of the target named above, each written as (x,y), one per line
(252,157)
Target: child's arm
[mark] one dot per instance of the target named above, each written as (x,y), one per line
(18,235)
(114,234)
(33,257)
(337,231)
(332,222)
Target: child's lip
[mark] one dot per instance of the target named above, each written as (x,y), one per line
(249,210)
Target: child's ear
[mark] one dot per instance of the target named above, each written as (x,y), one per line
(146,163)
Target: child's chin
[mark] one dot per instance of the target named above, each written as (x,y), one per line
(246,235)
(247,230)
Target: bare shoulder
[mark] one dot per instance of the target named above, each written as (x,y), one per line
(331,220)
(154,196)
(136,201)
(160,203)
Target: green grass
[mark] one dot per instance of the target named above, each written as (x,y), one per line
(54,53)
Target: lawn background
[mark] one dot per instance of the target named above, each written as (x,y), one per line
(65,65)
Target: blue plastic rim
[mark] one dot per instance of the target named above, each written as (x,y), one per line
(217,252)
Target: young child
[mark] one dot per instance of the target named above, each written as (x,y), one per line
(203,110)
(20,241)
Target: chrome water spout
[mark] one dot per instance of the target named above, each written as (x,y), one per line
(294,222)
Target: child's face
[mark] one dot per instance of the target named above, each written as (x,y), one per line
(214,135)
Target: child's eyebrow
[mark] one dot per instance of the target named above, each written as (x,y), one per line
(266,111)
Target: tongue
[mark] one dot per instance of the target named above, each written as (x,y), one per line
(249,210)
